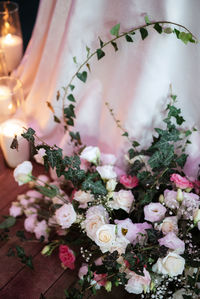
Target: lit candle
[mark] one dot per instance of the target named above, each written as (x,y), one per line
(9,129)
(5,101)
(13,49)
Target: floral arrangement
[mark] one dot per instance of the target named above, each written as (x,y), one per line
(137,227)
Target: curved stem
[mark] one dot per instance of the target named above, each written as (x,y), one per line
(113,40)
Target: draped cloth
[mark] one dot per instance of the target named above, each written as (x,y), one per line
(134,80)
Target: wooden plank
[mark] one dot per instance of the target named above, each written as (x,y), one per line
(29,284)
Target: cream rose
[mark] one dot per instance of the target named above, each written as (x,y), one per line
(65,215)
(169,224)
(83,198)
(172,265)
(105,237)
(96,216)
(122,200)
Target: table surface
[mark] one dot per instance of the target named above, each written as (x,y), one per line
(17,281)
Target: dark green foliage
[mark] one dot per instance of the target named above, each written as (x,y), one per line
(29,135)
(8,222)
(128,38)
(144,33)
(100,54)
(71,97)
(114,46)
(82,76)
(158,28)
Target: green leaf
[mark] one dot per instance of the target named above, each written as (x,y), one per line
(20,251)
(56,119)
(125,134)
(88,51)
(182,160)
(82,76)
(49,191)
(114,46)
(29,135)
(71,87)
(168,30)
(74,60)
(128,38)
(71,98)
(144,33)
(8,222)
(69,111)
(115,30)
(101,42)
(100,54)
(29,262)
(185,37)
(188,133)
(177,32)
(147,21)
(135,143)
(10,252)
(158,28)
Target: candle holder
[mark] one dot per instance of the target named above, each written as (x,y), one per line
(11,97)
(3,65)
(10,34)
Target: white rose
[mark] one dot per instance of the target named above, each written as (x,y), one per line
(65,215)
(105,237)
(22,173)
(108,159)
(196,216)
(172,265)
(111,184)
(122,200)
(95,217)
(83,198)
(91,154)
(106,172)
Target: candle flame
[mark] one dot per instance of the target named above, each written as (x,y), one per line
(8,38)
(10,106)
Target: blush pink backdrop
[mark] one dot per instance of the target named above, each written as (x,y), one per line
(135,80)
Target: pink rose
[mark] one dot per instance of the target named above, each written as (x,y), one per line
(67,256)
(83,271)
(180,181)
(154,212)
(138,283)
(173,242)
(100,279)
(129,181)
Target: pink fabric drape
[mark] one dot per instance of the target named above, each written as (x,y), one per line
(135,80)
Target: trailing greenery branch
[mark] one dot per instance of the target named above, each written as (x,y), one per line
(68,112)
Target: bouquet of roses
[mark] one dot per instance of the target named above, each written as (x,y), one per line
(137,227)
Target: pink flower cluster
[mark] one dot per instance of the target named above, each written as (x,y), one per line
(181,182)
(129,181)
(67,257)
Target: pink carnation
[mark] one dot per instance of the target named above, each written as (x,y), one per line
(67,256)
(129,181)
(180,181)
(100,279)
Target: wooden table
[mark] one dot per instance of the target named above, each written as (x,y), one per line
(17,281)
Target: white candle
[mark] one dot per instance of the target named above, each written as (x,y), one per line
(6,105)
(8,130)
(13,49)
